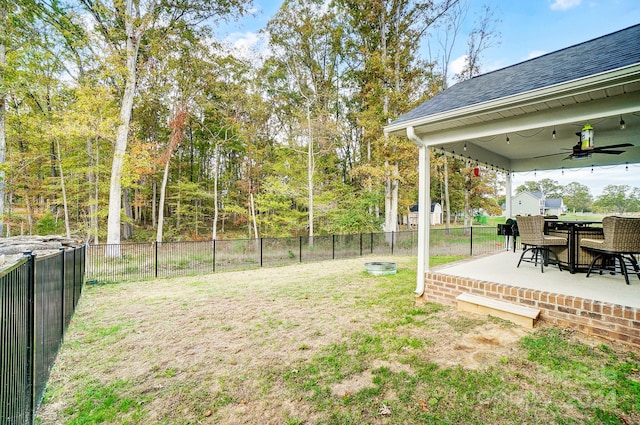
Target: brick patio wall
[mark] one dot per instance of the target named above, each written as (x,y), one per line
(609,321)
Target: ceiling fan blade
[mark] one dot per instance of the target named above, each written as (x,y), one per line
(619,145)
(610,152)
(551,154)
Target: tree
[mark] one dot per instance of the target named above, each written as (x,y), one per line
(577,197)
(123,29)
(550,188)
(482,37)
(302,72)
(614,198)
(381,45)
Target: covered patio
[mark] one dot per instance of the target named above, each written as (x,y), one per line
(525,118)
(605,288)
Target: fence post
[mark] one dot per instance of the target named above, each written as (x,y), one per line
(361,244)
(333,247)
(155,245)
(300,249)
(64,289)
(471,242)
(31,352)
(261,251)
(371,242)
(75,278)
(393,239)
(214,255)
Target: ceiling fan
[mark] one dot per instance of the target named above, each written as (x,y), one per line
(578,152)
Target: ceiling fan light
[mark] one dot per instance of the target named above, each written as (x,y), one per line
(623,125)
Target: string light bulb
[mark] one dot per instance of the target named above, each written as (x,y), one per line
(508,141)
(553,134)
(623,125)
(465,146)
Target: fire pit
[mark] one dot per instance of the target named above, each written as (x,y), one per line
(378,268)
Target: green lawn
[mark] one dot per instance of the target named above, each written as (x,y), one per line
(323,343)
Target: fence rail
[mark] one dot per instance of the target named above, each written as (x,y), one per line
(133,261)
(38,296)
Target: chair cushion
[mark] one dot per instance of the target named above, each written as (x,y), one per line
(553,240)
(592,243)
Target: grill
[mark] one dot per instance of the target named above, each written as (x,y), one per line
(509,229)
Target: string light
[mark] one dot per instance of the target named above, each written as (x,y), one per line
(622,123)
(465,146)
(553,133)
(563,171)
(626,167)
(508,142)
(591,168)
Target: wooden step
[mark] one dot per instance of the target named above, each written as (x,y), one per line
(522,315)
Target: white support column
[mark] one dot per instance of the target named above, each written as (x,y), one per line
(424,210)
(507,200)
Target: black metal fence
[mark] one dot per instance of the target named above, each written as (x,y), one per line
(113,263)
(38,296)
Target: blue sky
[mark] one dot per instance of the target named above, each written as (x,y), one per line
(527,28)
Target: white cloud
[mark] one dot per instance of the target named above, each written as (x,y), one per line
(457,65)
(247,45)
(565,4)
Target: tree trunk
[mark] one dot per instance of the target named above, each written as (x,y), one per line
(92,178)
(64,192)
(163,187)
(310,172)
(3,111)
(115,187)
(214,232)
(253,215)
(127,227)
(154,203)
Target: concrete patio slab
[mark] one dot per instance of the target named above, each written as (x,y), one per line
(501,268)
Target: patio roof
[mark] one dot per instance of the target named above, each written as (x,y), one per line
(595,82)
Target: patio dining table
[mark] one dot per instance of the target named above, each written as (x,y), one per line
(572,256)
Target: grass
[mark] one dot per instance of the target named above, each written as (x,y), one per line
(323,343)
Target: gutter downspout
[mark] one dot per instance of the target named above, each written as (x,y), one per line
(424,210)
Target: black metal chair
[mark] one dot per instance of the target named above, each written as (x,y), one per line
(509,229)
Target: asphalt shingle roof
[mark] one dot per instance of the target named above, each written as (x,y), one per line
(606,53)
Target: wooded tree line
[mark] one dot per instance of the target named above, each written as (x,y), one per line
(129,120)
(577,197)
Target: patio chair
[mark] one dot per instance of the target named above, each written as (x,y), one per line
(620,244)
(536,243)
